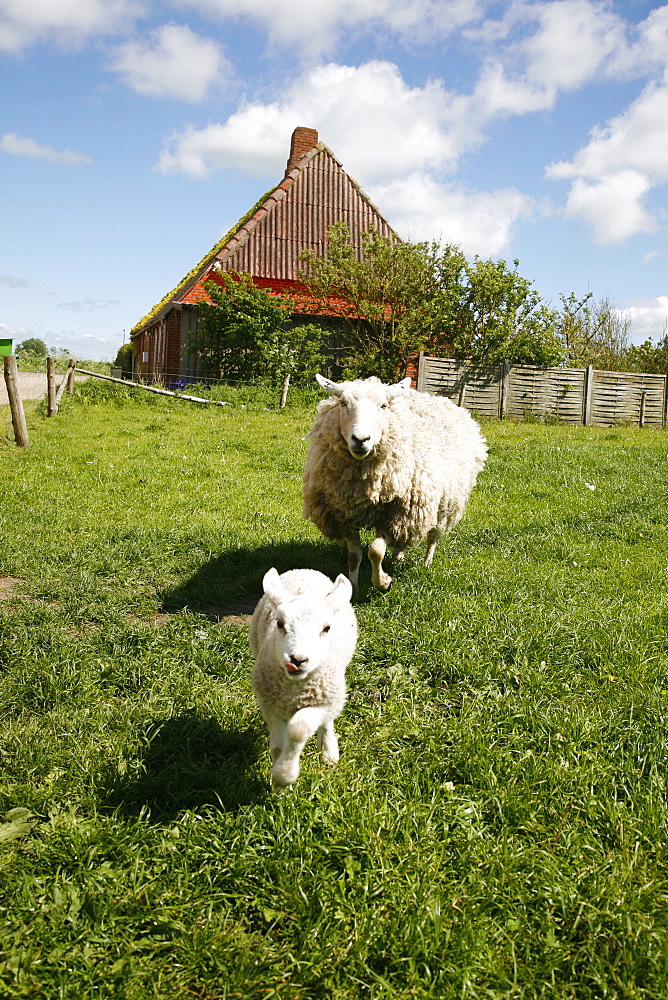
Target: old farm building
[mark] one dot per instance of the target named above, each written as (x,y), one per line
(267,243)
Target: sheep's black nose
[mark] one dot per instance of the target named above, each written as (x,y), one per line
(297,662)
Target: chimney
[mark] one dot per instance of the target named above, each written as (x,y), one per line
(303,140)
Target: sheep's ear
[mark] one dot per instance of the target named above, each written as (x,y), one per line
(341,592)
(273,587)
(395,390)
(327,384)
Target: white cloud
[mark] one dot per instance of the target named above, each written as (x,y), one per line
(14,282)
(67,22)
(16,333)
(87,305)
(480,222)
(615,171)
(573,39)
(612,207)
(648,49)
(649,318)
(18,145)
(317,26)
(376,123)
(80,345)
(537,51)
(86,346)
(175,62)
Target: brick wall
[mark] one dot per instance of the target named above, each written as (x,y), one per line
(173,343)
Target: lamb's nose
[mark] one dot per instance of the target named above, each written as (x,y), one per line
(295,664)
(360,440)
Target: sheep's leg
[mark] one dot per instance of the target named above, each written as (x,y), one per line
(354,559)
(379,577)
(328,745)
(433,536)
(303,724)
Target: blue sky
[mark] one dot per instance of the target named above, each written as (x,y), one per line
(133,134)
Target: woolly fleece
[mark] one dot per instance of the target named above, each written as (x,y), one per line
(420,475)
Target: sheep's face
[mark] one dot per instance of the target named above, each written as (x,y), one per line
(364,408)
(303,626)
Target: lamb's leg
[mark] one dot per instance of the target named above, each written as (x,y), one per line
(277,730)
(328,745)
(303,724)
(379,577)
(354,559)
(433,536)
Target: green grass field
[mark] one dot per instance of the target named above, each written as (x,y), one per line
(496,827)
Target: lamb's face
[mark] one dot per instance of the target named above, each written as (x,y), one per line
(302,630)
(363,418)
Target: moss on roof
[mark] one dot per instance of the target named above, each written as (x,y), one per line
(166,299)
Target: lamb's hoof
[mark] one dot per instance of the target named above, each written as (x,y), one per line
(281,777)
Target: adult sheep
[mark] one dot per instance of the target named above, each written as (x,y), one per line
(388,458)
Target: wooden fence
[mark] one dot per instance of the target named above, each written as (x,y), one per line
(570,395)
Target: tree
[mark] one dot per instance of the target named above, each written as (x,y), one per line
(401,298)
(594,333)
(380,295)
(124,358)
(488,313)
(245,334)
(650,357)
(32,345)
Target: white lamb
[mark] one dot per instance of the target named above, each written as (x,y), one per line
(385,457)
(303,635)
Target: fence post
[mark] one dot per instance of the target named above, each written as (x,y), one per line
(588,392)
(15,402)
(70,378)
(419,382)
(641,415)
(61,387)
(284,391)
(665,401)
(505,381)
(51,408)
(462,394)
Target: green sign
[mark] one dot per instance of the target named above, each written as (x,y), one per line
(5,346)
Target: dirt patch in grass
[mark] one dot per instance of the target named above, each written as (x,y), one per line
(236,612)
(9,586)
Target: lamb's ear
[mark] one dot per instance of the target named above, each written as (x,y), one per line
(341,592)
(327,384)
(395,390)
(273,587)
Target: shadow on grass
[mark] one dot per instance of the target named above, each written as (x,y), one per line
(188,762)
(231,583)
